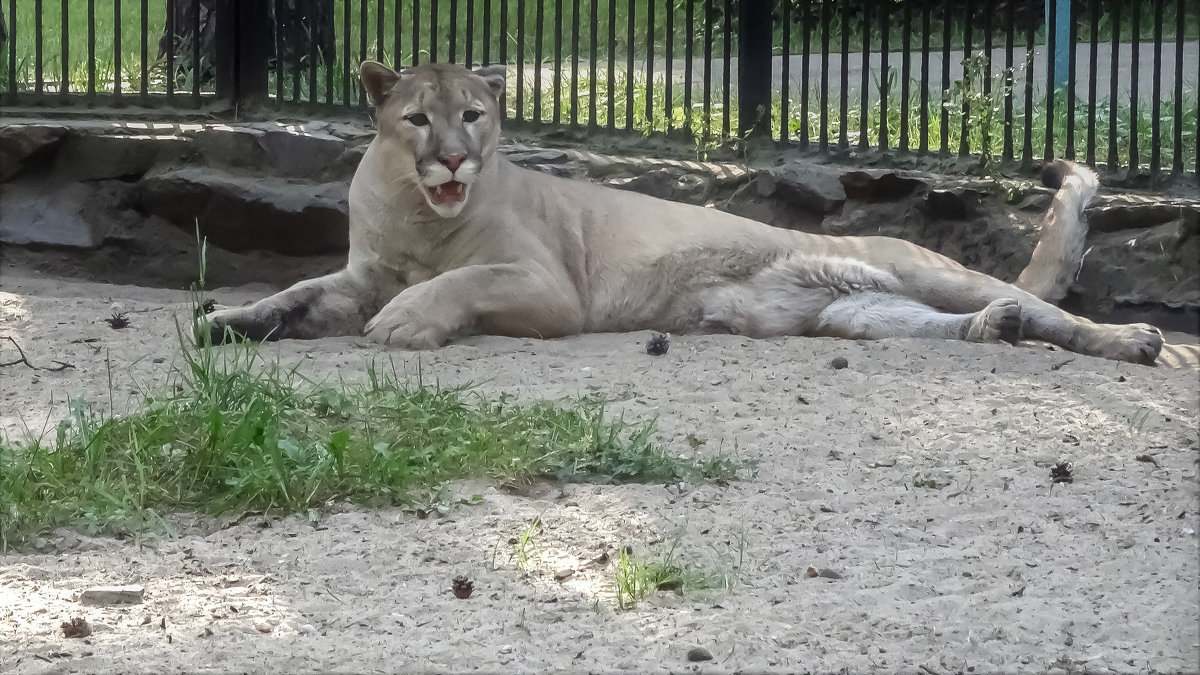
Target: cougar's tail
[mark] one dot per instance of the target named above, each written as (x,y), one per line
(1059,251)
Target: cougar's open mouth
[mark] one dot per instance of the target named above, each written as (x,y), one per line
(450,192)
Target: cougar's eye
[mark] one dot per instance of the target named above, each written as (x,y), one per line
(471,116)
(417,119)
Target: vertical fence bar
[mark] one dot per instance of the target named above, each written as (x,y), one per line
(314,20)
(805,50)
(486,59)
(503,36)
(925,83)
(754,68)
(944,126)
(295,15)
(843,79)
(346,52)
(1156,95)
(416,32)
(39,78)
(669,58)
(1027,136)
(689,19)
(539,22)
(629,41)
(1135,36)
(708,21)
(593,48)
(452,48)
(117,49)
(905,73)
(823,130)
(1093,51)
(612,64)
(196,71)
(964,135)
(469,59)
(434,30)
(1009,81)
(380,10)
(12,49)
(520,55)
(575,62)
(726,53)
(884,85)
(278,30)
(1113,159)
(1177,161)
(363,27)
(864,103)
(64,83)
(397,38)
(144,75)
(170,30)
(987,81)
(1072,62)
(786,71)
(557,85)
(91,54)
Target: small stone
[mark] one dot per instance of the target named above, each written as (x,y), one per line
(265,625)
(839,362)
(699,654)
(564,574)
(113,595)
(814,572)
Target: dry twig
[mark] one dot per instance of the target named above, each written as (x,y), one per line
(25,360)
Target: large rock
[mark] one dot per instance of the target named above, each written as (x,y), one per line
(241,214)
(878,185)
(35,213)
(301,153)
(809,186)
(86,156)
(22,144)
(1140,268)
(222,145)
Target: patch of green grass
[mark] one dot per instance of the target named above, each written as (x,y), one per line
(235,433)
(525,550)
(634,578)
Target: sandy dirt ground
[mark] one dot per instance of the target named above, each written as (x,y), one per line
(997,569)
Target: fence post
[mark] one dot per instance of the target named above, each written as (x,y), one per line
(754,67)
(243,39)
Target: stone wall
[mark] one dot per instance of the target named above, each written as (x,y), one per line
(104,194)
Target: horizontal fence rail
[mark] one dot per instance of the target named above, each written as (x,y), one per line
(1108,82)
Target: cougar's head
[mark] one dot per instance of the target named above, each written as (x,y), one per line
(443,118)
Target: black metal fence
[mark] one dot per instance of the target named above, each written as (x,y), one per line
(1111,82)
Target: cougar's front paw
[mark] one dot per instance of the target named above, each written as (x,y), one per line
(235,325)
(406,330)
(1000,321)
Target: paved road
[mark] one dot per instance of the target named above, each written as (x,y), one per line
(1146,71)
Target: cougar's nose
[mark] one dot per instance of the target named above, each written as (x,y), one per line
(451,162)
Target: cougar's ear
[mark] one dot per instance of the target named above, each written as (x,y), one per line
(494,76)
(378,80)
